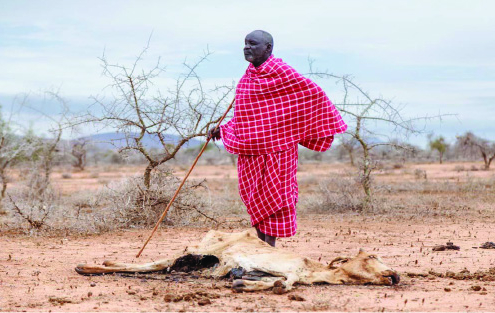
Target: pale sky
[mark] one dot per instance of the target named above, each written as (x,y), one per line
(434,57)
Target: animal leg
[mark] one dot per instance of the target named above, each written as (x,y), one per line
(240,285)
(114,267)
(278,284)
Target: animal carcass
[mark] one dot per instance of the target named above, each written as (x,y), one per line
(259,266)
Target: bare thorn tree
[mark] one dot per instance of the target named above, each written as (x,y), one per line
(13,149)
(36,200)
(79,153)
(140,111)
(371,120)
(43,157)
(472,143)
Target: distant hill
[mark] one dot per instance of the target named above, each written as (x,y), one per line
(114,141)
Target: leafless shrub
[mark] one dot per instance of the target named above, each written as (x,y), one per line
(469,143)
(34,203)
(139,111)
(36,200)
(420,174)
(335,195)
(79,152)
(134,205)
(121,205)
(420,200)
(34,212)
(14,149)
(371,120)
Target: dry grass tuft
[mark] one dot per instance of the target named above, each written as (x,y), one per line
(417,200)
(135,206)
(120,205)
(334,195)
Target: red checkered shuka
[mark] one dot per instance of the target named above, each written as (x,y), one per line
(276,109)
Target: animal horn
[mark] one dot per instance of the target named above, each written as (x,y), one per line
(340,259)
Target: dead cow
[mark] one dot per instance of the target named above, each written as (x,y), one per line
(244,256)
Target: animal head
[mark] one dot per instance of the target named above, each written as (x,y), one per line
(364,268)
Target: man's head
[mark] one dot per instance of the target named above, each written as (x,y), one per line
(258,47)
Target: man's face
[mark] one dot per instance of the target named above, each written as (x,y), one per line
(256,49)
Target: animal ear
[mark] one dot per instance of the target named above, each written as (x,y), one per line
(337,260)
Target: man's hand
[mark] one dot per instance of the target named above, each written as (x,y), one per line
(214,133)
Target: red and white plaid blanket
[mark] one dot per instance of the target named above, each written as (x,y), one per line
(276,107)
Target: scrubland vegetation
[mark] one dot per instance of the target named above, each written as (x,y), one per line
(63,199)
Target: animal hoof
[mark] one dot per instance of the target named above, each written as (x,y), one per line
(238,285)
(279,290)
(279,287)
(82,270)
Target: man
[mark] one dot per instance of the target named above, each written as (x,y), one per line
(275,110)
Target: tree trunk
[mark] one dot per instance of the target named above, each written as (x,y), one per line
(3,177)
(366,179)
(147,176)
(4,188)
(487,165)
(441,157)
(487,161)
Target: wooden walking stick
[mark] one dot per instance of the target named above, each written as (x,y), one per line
(183,181)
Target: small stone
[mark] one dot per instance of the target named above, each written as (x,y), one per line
(204,301)
(131,292)
(296,298)
(59,301)
(188,297)
(92,284)
(447,289)
(168,297)
(90,294)
(476,288)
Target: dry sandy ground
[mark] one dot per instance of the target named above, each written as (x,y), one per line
(37,274)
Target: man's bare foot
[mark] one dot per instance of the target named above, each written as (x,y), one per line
(266,238)
(261,236)
(270,240)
